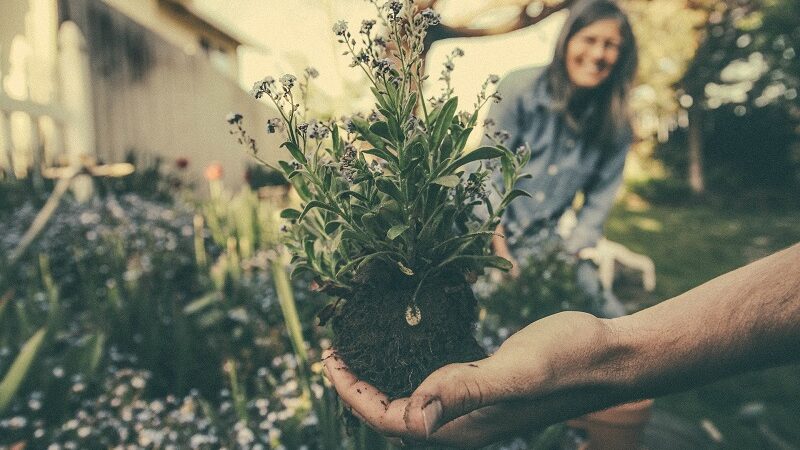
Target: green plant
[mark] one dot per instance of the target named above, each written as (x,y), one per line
(391,200)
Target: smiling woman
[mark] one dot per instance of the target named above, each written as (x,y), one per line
(573,116)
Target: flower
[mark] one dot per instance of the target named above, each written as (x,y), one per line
(340,28)
(394,7)
(288,81)
(457,52)
(182,162)
(311,72)
(366,26)
(213,172)
(262,86)
(430,17)
(273,125)
(233,118)
(494,79)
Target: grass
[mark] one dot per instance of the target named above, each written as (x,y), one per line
(691,244)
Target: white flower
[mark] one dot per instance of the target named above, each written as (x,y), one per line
(340,28)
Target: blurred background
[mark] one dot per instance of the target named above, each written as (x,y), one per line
(144,298)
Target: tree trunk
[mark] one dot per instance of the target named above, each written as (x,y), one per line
(696,178)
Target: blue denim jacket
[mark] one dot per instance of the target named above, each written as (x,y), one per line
(561,164)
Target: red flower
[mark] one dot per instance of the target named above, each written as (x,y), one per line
(213,172)
(182,163)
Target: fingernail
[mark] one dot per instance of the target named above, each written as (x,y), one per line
(325,372)
(431,413)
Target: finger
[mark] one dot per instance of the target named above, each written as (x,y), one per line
(450,392)
(367,402)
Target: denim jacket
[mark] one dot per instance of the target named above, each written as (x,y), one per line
(561,164)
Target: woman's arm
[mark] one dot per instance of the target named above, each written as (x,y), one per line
(599,197)
(572,363)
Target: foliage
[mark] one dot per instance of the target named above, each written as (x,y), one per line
(546,285)
(123,285)
(742,90)
(152,180)
(406,196)
(667,40)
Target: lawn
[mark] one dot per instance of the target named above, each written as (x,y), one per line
(691,244)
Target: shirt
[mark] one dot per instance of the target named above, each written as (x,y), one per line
(562,163)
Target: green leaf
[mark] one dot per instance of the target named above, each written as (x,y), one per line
(298,269)
(383,154)
(316,204)
(286,167)
(475,155)
(380,97)
(395,231)
(461,140)
(96,351)
(362,126)
(297,154)
(290,213)
(202,303)
(388,187)
(447,181)
(377,255)
(19,368)
(330,227)
(443,120)
(372,224)
(480,261)
(381,129)
(410,104)
(308,248)
(463,237)
(405,269)
(511,196)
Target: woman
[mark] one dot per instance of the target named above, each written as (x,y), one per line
(573,117)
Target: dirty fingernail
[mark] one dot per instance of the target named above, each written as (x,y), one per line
(431,413)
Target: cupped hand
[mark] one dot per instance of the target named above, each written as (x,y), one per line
(516,390)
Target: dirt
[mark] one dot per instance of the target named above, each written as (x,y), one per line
(379,346)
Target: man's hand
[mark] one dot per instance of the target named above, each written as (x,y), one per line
(571,363)
(474,404)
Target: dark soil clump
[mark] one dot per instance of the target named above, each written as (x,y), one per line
(379,346)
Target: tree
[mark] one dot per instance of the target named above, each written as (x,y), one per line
(746,63)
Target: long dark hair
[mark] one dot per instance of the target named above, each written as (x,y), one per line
(609,101)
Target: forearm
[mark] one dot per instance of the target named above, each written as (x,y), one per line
(744,320)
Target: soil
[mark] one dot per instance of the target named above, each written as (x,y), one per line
(379,346)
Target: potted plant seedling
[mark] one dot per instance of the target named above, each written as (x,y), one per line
(396,217)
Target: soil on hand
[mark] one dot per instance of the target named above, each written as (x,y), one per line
(379,346)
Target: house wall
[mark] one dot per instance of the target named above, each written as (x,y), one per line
(156,16)
(152,98)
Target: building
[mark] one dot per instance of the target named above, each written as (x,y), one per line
(111,78)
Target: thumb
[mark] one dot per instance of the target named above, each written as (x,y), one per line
(451,392)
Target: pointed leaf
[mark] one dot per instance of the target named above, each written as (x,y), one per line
(290,213)
(362,127)
(19,368)
(511,196)
(316,204)
(395,231)
(405,269)
(297,154)
(475,155)
(388,187)
(384,154)
(447,181)
(480,260)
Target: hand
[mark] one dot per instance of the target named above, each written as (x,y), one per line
(500,248)
(473,404)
